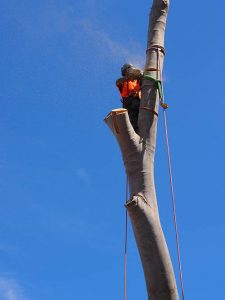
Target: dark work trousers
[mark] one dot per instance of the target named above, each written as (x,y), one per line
(132,105)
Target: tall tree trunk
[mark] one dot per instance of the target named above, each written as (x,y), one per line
(138,151)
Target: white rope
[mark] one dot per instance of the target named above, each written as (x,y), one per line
(125,244)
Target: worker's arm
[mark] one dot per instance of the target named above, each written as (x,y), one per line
(120,81)
(119,84)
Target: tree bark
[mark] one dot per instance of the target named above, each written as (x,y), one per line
(138,152)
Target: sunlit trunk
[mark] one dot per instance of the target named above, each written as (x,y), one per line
(138,152)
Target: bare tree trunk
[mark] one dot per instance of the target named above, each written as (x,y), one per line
(138,151)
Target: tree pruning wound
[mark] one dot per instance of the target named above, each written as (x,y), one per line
(115,122)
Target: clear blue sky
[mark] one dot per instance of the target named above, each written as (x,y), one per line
(62,182)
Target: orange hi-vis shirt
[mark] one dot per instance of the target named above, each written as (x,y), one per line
(129,87)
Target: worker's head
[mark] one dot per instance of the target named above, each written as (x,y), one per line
(125,69)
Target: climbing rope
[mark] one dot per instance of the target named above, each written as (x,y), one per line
(173,204)
(125,243)
(165,106)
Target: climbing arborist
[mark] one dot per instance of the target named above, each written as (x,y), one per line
(129,86)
